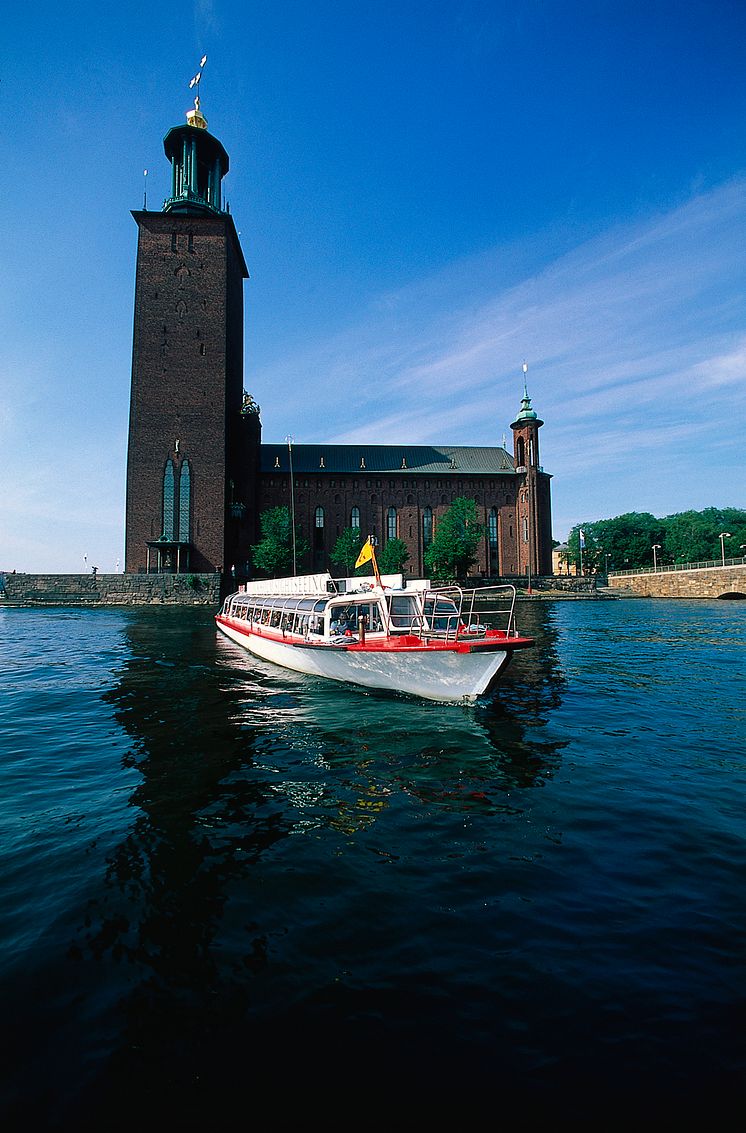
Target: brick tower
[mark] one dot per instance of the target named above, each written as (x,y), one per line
(194,437)
(533,506)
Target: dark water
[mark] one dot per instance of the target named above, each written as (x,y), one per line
(228,887)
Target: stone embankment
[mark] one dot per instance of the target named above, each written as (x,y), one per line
(705,582)
(110,589)
(208,589)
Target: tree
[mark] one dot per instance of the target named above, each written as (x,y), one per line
(393,557)
(347,549)
(457,537)
(694,536)
(626,542)
(273,554)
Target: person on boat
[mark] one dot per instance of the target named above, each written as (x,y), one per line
(338,623)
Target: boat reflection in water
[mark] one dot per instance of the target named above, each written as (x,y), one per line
(462,757)
(264,800)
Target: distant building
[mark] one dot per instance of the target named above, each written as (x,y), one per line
(561,560)
(198,474)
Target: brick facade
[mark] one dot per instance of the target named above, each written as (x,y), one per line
(409,494)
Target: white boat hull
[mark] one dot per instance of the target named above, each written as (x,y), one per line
(444,675)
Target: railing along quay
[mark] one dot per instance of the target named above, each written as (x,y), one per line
(672,567)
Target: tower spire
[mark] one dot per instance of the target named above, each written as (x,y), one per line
(526,412)
(198,162)
(195,117)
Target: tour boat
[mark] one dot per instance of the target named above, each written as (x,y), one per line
(443,643)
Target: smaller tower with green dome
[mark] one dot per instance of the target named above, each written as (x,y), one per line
(533,517)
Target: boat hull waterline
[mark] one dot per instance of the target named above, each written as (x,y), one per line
(434,674)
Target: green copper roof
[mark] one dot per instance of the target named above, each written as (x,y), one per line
(527,413)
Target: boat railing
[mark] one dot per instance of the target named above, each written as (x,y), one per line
(450,612)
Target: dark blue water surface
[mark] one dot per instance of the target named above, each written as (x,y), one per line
(225,887)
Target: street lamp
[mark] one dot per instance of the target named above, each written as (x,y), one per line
(723,536)
(742,548)
(289,440)
(656,547)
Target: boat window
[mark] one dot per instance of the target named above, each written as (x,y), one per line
(342,619)
(372,615)
(441,614)
(403,610)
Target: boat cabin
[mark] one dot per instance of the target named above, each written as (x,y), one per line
(349,610)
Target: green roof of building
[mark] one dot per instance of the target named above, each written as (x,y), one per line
(413,459)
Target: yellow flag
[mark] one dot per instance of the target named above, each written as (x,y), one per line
(366,554)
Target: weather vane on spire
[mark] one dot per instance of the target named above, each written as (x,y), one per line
(196,79)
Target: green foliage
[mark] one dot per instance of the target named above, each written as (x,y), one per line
(347,549)
(393,557)
(273,554)
(626,542)
(457,537)
(194,583)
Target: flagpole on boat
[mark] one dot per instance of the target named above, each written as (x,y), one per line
(368,554)
(289,440)
(529,526)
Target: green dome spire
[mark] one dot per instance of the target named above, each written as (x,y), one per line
(527,412)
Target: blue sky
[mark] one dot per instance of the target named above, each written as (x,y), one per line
(428,194)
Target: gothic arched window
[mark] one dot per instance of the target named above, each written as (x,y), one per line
(319,517)
(169,519)
(185,501)
(391,523)
(355,517)
(494,564)
(427,526)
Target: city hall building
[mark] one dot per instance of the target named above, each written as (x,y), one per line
(198,473)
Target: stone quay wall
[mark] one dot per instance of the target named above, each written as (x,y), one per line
(199,589)
(110,589)
(707,582)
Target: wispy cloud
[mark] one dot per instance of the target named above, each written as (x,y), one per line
(636,342)
(641,313)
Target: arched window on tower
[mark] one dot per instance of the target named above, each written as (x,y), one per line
(520,452)
(427,526)
(319,517)
(355,517)
(391,523)
(168,501)
(493,544)
(185,501)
